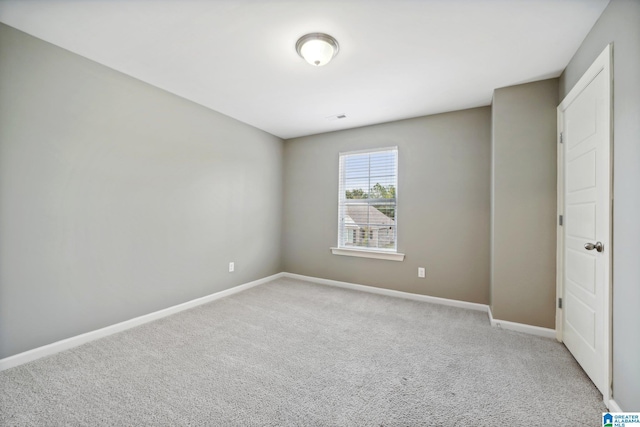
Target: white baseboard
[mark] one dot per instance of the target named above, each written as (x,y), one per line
(56,347)
(613,406)
(513,326)
(392,293)
(521,327)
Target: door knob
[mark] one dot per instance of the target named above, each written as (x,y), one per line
(597,246)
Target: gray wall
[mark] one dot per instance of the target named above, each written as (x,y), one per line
(443,212)
(118,199)
(523,261)
(620,25)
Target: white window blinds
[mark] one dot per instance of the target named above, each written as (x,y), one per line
(367,208)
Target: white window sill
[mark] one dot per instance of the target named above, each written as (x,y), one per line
(362,253)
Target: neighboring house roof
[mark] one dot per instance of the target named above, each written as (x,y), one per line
(365,215)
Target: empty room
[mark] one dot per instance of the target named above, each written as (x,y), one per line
(323,213)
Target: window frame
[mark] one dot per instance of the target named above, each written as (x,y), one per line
(391,254)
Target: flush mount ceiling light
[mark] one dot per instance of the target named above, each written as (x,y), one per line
(317,48)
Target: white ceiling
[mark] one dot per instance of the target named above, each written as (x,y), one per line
(398,58)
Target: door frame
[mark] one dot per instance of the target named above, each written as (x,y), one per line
(602,64)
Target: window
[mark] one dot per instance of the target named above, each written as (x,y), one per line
(367,208)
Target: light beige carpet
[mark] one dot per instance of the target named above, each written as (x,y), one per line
(296,353)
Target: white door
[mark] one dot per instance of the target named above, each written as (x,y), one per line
(585,123)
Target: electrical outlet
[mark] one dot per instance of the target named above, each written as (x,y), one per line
(421,272)
(232,267)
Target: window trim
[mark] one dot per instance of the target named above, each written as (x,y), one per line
(366,253)
(362,252)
